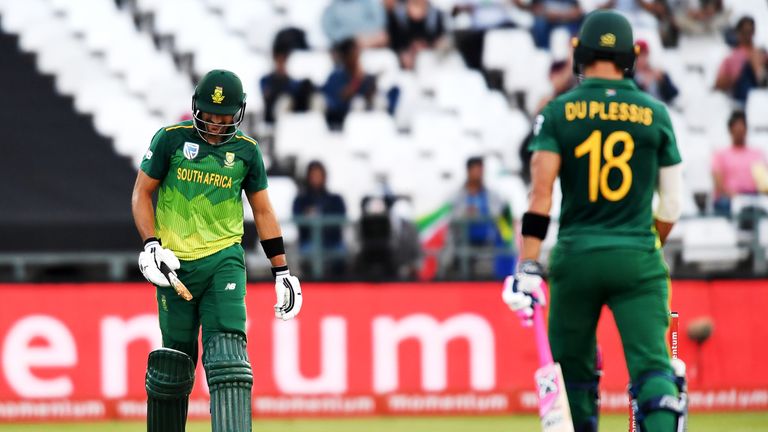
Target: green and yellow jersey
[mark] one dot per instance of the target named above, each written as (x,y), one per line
(199,204)
(612,139)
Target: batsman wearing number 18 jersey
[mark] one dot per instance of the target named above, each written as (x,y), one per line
(199,169)
(612,146)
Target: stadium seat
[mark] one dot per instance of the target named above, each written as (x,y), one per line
(315,66)
(757,107)
(367,132)
(503,47)
(295,133)
(282,191)
(711,243)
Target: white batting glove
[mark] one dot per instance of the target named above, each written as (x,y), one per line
(288,292)
(523,289)
(150,259)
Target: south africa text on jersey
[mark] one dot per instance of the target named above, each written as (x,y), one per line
(197,176)
(614,111)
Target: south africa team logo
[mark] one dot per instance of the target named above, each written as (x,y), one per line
(191,150)
(229,160)
(218,95)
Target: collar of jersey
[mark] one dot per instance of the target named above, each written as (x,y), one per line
(600,82)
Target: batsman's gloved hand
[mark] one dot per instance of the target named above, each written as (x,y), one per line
(523,288)
(288,292)
(149,262)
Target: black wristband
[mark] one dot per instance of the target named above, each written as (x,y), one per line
(276,270)
(151,239)
(273,247)
(535,225)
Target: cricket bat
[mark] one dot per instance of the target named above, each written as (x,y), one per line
(554,411)
(177,285)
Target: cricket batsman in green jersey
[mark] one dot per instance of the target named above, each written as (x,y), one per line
(199,169)
(612,146)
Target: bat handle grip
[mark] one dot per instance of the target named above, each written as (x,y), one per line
(542,340)
(165,269)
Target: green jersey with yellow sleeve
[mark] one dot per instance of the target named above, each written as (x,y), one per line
(612,139)
(199,203)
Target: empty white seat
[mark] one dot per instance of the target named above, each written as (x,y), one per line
(282,191)
(296,132)
(712,243)
(503,46)
(315,66)
(365,132)
(757,107)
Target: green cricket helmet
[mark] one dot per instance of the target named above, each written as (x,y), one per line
(605,35)
(218,92)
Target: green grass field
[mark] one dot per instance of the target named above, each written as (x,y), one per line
(747,422)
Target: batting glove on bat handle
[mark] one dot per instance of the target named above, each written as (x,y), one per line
(523,289)
(288,293)
(152,257)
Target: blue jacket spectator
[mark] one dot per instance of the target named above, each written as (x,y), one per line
(315,200)
(552,14)
(345,83)
(364,20)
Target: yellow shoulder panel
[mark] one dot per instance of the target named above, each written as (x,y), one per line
(178,127)
(250,140)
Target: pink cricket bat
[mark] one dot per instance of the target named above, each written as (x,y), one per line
(554,411)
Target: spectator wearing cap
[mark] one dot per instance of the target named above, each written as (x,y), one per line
(653,81)
(734,168)
(414,25)
(363,20)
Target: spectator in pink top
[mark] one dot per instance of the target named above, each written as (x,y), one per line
(732,167)
(732,65)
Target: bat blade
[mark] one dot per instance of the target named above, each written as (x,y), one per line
(554,411)
(177,285)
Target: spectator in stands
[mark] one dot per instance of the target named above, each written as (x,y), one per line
(753,74)
(561,77)
(278,84)
(364,20)
(701,17)
(476,209)
(734,168)
(347,82)
(654,81)
(732,66)
(640,13)
(473,18)
(414,25)
(552,14)
(475,201)
(315,201)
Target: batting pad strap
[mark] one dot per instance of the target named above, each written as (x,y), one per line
(535,225)
(169,379)
(170,374)
(273,247)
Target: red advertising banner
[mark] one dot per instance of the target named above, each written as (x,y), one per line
(79,351)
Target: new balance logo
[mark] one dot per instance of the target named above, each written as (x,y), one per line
(230,286)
